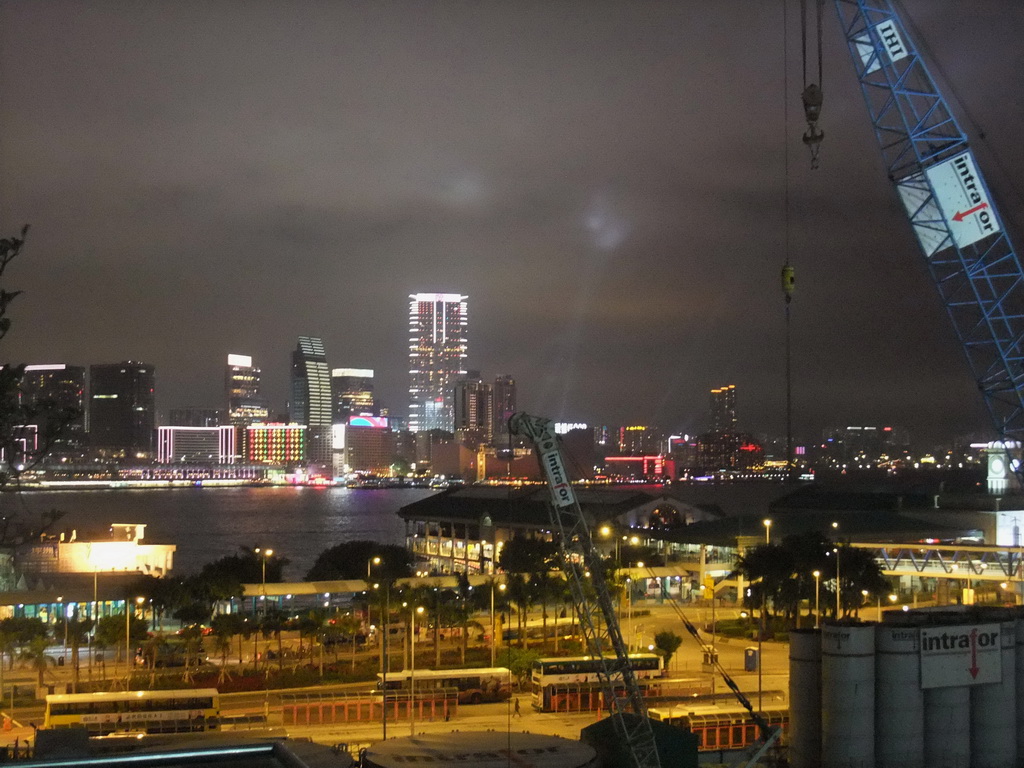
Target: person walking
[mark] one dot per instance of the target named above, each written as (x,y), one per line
(517,713)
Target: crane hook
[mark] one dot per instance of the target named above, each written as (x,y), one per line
(813,99)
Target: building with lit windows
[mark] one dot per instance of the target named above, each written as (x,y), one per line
(352,390)
(245,405)
(504,403)
(437,358)
(723,409)
(473,406)
(56,393)
(276,444)
(122,409)
(311,403)
(196,445)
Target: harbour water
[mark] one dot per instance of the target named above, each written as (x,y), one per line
(208,523)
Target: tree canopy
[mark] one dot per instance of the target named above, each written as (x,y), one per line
(349,560)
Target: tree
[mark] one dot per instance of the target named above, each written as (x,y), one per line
(110,632)
(349,560)
(520,662)
(523,555)
(222,579)
(76,630)
(668,643)
(34,654)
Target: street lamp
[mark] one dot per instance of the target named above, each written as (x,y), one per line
(264,554)
(817,597)
(767,531)
(371,561)
(493,638)
(128,640)
(412,669)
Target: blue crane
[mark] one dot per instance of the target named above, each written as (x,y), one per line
(968,251)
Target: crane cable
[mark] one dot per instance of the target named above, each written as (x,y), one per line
(812,95)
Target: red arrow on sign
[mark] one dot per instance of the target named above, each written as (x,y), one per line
(974,654)
(961,215)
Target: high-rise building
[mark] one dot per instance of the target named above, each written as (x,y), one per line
(723,409)
(242,392)
(311,398)
(473,405)
(53,397)
(276,444)
(437,358)
(352,389)
(122,409)
(504,403)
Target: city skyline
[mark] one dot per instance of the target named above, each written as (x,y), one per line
(606,182)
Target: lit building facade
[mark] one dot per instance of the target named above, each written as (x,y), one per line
(437,358)
(122,551)
(473,406)
(311,398)
(245,405)
(196,445)
(56,390)
(352,389)
(504,404)
(723,409)
(276,444)
(122,409)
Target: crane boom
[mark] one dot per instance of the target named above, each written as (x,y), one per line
(969,254)
(583,570)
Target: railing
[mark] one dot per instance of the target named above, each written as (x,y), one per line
(342,707)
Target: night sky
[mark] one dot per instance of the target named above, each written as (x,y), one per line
(605,180)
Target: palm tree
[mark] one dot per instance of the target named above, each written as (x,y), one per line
(34,654)
(273,623)
(519,593)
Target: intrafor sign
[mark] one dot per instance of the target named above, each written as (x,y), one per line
(963,655)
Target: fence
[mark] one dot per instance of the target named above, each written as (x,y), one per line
(328,708)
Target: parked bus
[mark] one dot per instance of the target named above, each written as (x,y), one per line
(474,685)
(579,674)
(721,729)
(135,711)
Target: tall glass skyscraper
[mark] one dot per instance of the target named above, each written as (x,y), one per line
(122,409)
(242,391)
(437,358)
(311,397)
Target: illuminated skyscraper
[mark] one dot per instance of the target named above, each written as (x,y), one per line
(723,409)
(122,409)
(242,391)
(437,358)
(504,403)
(352,389)
(49,391)
(311,397)
(473,408)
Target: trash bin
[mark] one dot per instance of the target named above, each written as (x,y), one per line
(751,659)
(60,661)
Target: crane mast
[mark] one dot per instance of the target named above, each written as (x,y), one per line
(969,254)
(582,565)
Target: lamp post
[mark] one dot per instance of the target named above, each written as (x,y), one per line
(372,561)
(493,635)
(839,584)
(817,597)
(128,640)
(767,531)
(412,668)
(264,554)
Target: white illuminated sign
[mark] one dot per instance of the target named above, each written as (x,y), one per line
(242,361)
(960,200)
(969,654)
(562,427)
(892,43)
(362,373)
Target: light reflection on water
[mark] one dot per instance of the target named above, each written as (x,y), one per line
(207,523)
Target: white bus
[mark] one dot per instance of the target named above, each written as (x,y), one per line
(474,685)
(579,675)
(104,713)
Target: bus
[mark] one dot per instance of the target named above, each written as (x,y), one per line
(474,685)
(578,676)
(101,714)
(721,729)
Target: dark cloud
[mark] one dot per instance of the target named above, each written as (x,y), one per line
(605,180)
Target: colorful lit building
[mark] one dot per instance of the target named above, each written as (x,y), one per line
(275,443)
(196,445)
(437,358)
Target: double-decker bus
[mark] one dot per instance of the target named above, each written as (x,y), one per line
(557,681)
(474,685)
(721,729)
(135,711)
